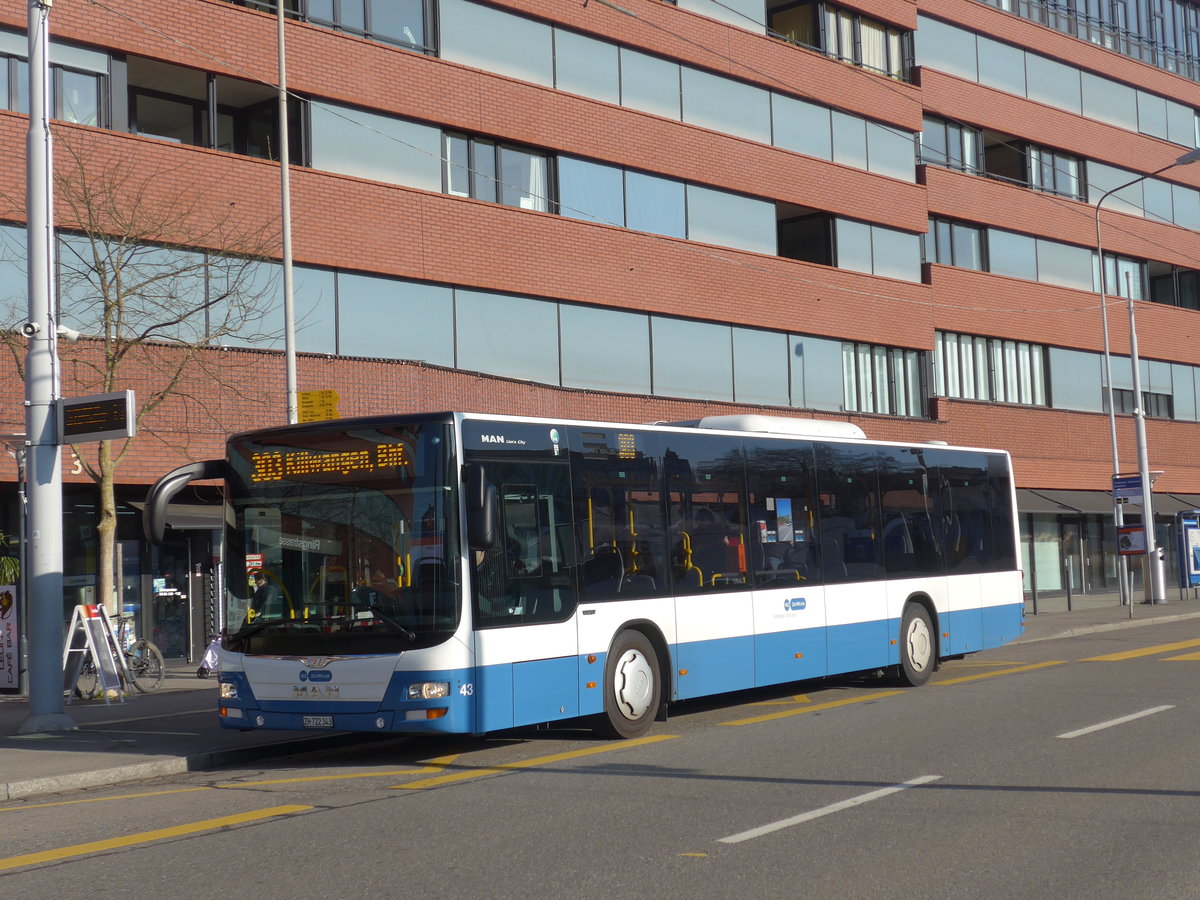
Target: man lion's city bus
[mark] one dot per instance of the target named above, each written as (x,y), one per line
(468,573)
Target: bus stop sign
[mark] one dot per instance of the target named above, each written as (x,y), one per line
(1127,488)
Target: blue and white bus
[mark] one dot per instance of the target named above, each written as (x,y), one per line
(465,573)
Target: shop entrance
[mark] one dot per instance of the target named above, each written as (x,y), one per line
(179,586)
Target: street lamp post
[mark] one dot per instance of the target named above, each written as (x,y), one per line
(43,466)
(1157,578)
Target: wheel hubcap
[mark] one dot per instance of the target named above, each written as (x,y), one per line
(919,644)
(633,684)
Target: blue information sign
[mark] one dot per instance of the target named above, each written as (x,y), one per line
(1127,488)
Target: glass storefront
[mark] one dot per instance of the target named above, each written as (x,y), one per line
(1075,554)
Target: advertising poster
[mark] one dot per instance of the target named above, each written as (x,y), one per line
(10,639)
(1131,540)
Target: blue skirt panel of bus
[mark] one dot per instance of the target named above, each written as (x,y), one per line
(859,646)
(785,656)
(714,667)
(528,693)
(1002,624)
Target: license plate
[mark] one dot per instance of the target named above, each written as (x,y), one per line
(318,721)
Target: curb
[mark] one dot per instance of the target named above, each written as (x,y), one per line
(1078,630)
(177,765)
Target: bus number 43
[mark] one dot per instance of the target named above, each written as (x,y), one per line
(467,690)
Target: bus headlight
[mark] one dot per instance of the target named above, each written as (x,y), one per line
(428,690)
(228,691)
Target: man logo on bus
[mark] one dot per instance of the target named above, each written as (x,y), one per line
(794,604)
(492,438)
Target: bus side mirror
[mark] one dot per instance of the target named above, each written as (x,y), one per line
(154,516)
(483,504)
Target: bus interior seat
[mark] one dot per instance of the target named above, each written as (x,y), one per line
(604,573)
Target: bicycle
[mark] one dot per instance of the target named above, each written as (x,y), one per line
(141,664)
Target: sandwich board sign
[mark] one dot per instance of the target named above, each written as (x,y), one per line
(90,636)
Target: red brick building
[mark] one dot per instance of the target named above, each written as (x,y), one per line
(877,210)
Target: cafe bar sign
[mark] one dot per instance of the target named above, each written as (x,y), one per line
(100,417)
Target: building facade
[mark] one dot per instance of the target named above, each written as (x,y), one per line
(881,211)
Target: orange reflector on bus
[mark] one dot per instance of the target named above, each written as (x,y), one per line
(893,643)
(683,671)
(435,713)
(591,684)
(591,657)
(799,656)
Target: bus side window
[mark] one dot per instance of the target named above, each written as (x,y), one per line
(707,513)
(618,514)
(848,528)
(782,514)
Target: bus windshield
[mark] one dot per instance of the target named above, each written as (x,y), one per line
(342,541)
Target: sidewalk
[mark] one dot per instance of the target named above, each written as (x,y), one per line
(175,730)
(171,731)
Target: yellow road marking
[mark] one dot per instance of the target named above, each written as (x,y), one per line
(981,663)
(695,855)
(1187,657)
(798,698)
(964,678)
(1143,651)
(145,837)
(767,717)
(102,799)
(531,763)
(435,765)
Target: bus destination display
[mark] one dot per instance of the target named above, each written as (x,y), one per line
(281,465)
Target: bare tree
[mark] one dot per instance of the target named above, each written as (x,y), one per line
(155,278)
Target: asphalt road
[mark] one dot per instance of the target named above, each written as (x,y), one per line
(1062,769)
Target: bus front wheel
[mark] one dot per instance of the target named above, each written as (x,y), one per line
(632,687)
(918,646)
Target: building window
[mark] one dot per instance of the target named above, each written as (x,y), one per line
(842,34)
(496,172)
(400,22)
(190,106)
(1054,172)
(1174,286)
(78,96)
(1156,406)
(955,244)
(878,379)
(1125,277)
(75,95)
(1159,32)
(979,368)
(951,144)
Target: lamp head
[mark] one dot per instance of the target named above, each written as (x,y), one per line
(1188,158)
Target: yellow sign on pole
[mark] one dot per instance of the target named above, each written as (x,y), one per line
(316,406)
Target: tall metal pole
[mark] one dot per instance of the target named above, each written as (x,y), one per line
(285,187)
(43,473)
(1158,591)
(1139,423)
(1118,511)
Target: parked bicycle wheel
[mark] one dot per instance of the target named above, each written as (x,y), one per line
(145,664)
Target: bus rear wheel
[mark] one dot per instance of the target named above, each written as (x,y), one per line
(918,646)
(632,687)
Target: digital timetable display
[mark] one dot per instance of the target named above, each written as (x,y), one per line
(596,444)
(283,465)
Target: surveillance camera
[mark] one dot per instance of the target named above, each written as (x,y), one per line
(29,329)
(69,333)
